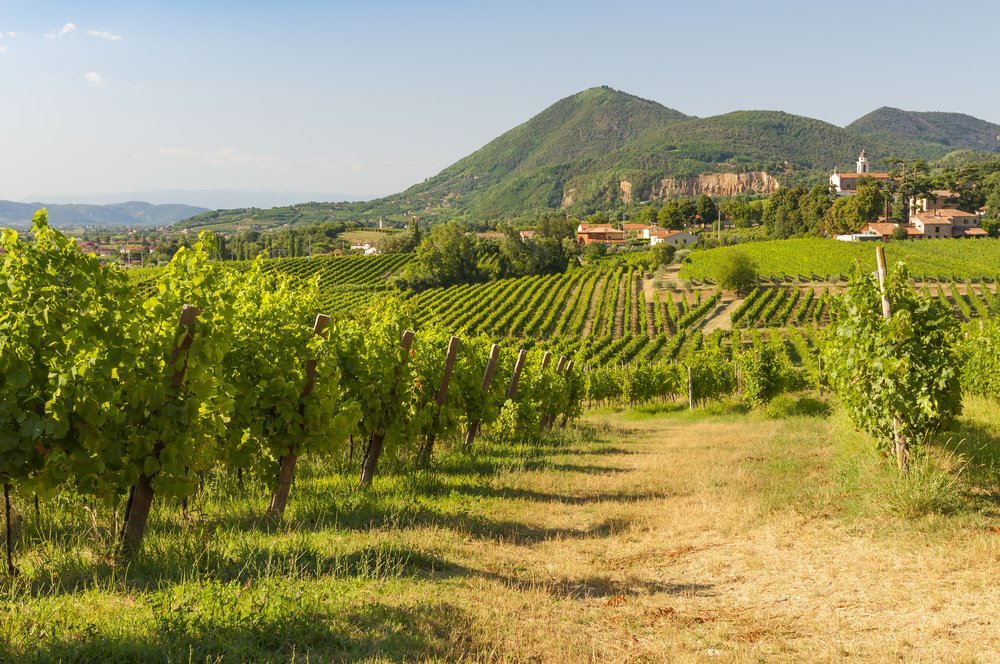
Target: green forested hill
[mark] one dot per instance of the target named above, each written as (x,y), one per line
(954,131)
(574,155)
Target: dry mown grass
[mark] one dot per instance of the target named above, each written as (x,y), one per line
(696,541)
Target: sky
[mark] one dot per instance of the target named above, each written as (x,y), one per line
(362,99)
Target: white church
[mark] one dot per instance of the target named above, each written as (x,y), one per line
(847,183)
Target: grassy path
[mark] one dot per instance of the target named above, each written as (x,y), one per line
(644,538)
(682,545)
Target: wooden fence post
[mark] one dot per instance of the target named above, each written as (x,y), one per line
(491,365)
(900,443)
(374,449)
(141,499)
(286,467)
(546,358)
(442,394)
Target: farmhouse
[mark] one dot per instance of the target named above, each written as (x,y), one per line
(881,230)
(590,233)
(639,230)
(939,199)
(847,183)
(675,238)
(947,223)
(936,224)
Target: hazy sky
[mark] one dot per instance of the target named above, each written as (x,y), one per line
(370,96)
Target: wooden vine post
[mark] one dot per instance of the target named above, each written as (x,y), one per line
(141,500)
(900,443)
(565,418)
(442,395)
(286,467)
(516,377)
(491,365)
(690,389)
(11,570)
(377,439)
(560,365)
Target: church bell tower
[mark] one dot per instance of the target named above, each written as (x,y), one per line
(863,162)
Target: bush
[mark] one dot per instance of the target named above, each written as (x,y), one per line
(899,233)
(663,254)
(736,272)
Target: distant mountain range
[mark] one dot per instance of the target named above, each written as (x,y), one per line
(600,148)
(133,213)
(212,199)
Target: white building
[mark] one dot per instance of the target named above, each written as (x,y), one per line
(676,238)
(847,183)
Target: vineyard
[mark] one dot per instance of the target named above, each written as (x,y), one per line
(596,315)
(200,436)
(220,371)
(344,282)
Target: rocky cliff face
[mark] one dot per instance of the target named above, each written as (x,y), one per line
(716,184)
(626,189)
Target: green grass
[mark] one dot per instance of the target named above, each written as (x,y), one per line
(822,259)
(362,236)
(953,482)
(345,575)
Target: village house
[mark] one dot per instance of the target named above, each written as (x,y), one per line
(947,223)
(132,253)
(366,248)
(847,183)
(939,199)
(680,239)
(606,233)
(638,230)
(933,217)
(881,230)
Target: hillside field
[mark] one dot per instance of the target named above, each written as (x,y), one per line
(817,259)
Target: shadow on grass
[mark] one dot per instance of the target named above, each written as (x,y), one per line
(205,631)
(530,495)
(230,540)
(598,586)
(977,450)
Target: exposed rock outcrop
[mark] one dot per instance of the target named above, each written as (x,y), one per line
(626,188)
(568,197)
(716,184)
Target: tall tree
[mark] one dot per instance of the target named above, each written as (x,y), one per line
(706,210)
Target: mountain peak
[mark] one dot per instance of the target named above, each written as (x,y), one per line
(952,130)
